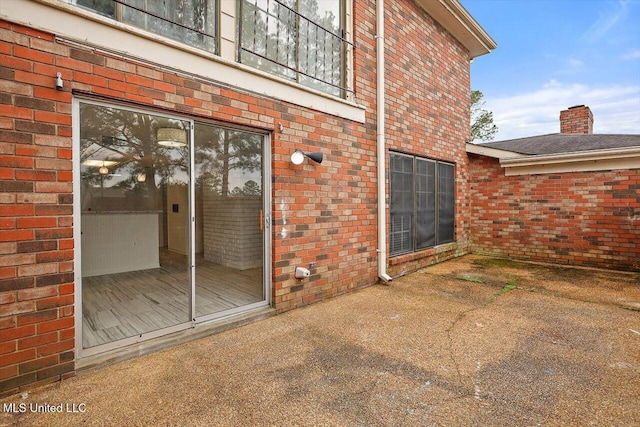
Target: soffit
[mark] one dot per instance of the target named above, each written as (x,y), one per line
(578,161)
(455,19)
(490,152)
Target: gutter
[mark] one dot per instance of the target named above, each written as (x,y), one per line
(576,156)
(586,161)
(380,124)
(574,161)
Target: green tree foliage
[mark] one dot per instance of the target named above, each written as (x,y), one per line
(220,154)
(482,126)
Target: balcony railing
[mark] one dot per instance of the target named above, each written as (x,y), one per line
(278,39)
(308,46)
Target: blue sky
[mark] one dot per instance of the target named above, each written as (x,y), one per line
(553,54)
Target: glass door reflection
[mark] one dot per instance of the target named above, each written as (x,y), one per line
(135,223)
(229,238)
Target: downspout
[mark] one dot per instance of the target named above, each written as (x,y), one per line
(380,109)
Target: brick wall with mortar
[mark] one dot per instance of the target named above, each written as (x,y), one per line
(230,232)
(428,95)
(576,119)
(579,218)
(325,213)
(36,223)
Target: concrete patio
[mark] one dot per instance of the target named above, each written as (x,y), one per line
(472,341)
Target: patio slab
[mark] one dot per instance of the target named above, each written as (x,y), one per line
(472,341)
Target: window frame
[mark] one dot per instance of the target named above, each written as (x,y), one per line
(197,320)
(119,16)
(442,206)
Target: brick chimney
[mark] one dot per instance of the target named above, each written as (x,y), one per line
(576,119)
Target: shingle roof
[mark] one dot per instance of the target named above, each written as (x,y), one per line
(565,143)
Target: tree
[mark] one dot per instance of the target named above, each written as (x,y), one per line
(482,126)
(128,140)
(219,152)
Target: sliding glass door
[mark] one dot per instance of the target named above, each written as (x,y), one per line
(229,219)
(171,223)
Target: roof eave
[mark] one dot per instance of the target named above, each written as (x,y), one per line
(578,161)
(455,19)
(490,152)
(575,156)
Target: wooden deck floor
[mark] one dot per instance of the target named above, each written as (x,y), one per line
(122,305)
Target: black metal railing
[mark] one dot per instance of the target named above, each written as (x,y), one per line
(278,39)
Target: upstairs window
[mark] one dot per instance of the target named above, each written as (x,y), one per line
(192,22)
(422,203)
(304,41)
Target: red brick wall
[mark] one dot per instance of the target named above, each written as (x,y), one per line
(325,213)
(577,119)
(36,225)
(579,218)
(428,96)
(322,213)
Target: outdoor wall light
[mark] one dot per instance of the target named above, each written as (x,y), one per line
(302,273)
(141,177)
(59,81)
(172,137)
(298,157)
(103,170)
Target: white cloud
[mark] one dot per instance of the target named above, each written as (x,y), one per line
(616,109)
(631,55)
(607,20)
(572,62)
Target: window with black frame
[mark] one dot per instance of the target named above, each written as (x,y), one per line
(192,22)
(422,203)
(299,40)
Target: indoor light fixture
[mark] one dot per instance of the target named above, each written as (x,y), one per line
(298,157)
(95,163)
(141,177)
(103,165)
(103,169)
(172,137)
